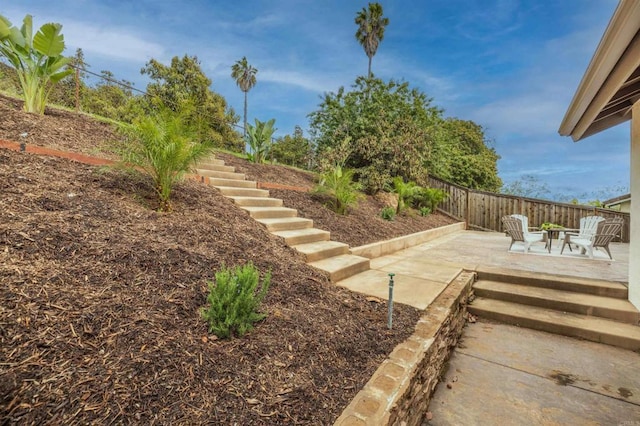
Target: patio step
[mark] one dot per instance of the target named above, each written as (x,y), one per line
(557,282)
(270,212)
(560,300)
(286,224)
(342,266)
(213,167)
(257,201)
(565,323)
(295,237)
(322,250)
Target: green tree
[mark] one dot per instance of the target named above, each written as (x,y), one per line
(389,126)
(164,147)
(182,84)
(461,154)
(245,76)
(259,139)
(294,150)
(37,59)
(371,25)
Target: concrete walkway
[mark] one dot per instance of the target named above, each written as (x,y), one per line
(502,374)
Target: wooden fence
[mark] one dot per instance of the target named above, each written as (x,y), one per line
(484,210)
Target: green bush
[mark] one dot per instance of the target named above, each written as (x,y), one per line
(388,213)
(425,211)
(233,300)
(429,197)
(339,185)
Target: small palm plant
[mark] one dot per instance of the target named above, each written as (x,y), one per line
(338,183)
(406,191)
(38,59)
(259,139)
(162,146)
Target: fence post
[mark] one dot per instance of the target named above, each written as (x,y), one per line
(468,208)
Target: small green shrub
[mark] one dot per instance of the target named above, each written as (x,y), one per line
(425,211)
(233,300)
(429,197)
(339,185)
(388,213)
(406,192)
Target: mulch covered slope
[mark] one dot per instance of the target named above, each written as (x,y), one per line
(100,295)
(100,299)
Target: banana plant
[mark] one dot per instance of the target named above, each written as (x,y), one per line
(37,59)
(259,139)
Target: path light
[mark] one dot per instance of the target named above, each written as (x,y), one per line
(390,319)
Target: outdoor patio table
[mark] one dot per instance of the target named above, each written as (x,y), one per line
(551,234)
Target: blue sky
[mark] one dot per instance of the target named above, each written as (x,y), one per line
(511,66)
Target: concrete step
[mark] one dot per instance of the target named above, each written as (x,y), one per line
(218,168)
(343,266)
(221,175)
(566,301)
(565,323)
(257,201)
(235,183)
(212,162)
(285,224)
(230,191)
(566,283)
(302,236)
(322,250)
(270,212)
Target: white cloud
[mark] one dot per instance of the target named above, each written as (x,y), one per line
(116,43)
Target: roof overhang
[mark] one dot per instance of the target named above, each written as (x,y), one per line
(611,83)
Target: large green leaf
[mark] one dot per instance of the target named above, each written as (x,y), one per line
(4,27)
(48,41)
(27,30)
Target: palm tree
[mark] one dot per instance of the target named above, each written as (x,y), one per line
(371,29)
(245,76)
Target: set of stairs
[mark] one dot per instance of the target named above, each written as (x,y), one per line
(315,244)
(589,309)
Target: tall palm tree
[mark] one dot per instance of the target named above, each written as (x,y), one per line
(371,29)
(245,76)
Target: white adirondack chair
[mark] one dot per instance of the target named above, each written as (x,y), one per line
(525,225)
(588,228)
(605,232)
(514,228)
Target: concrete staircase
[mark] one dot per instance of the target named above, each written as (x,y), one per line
(589,309)
(315,244)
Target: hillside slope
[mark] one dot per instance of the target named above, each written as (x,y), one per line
(100,299)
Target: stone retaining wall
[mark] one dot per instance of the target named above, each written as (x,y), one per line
(400,390)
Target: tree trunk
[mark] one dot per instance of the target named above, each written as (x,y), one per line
(245,115)
(370,66)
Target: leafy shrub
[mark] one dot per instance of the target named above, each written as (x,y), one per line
(406,191)
(425,211)
(259,139)
(164,147)
(388,213)
(339,185)
(233,300)
(429,197)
